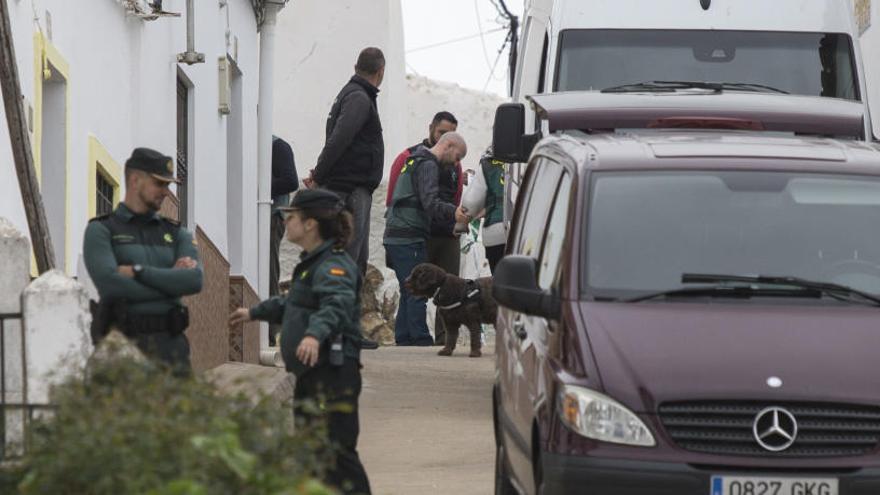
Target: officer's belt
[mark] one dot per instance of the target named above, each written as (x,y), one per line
(139,324)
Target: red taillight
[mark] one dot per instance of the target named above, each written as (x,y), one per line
(706,123)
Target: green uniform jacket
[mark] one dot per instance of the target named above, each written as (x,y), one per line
(416,202)
(493,171)
(323,300)
(154,242)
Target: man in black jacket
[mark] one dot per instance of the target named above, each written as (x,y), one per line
(351,162)
(284,182)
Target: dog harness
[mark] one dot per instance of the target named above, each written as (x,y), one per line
(471,292)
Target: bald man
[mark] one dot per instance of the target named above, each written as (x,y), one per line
(415,204)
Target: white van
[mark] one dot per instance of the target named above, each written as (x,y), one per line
(800,47)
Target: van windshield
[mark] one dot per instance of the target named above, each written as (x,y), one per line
(813,64)
(647,229)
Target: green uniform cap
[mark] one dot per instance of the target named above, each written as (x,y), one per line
(152,162)
(314,199)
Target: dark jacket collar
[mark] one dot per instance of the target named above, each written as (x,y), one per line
(371,90)
(318,251)
(126,215)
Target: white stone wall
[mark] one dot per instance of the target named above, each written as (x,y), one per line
(474,110)
(317,47)
(122,90)
(45,326)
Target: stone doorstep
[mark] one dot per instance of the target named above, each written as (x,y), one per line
(254,381)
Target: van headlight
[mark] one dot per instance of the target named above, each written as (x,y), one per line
(599,417)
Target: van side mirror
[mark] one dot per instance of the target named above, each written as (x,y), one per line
(509,142)
(515,286)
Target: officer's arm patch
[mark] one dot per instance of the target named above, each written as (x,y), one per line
(337,272)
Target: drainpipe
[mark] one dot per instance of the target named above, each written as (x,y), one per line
(190,56)
(268,356)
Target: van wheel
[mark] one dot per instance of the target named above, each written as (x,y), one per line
(503,486)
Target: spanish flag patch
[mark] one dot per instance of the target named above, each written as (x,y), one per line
(339,272)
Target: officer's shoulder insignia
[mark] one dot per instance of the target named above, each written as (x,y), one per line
(100,217)
(303,275)
(337,271)
(168,238)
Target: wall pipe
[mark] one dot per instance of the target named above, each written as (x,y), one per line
(190,56)
(268,357)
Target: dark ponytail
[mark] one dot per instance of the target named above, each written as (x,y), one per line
(332,224)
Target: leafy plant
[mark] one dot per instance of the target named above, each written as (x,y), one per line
(129,428)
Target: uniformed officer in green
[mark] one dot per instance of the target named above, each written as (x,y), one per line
(142,263)
(494,227)
(320,319)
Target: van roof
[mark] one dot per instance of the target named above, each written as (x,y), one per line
(673,149)
(825,16)
(772,112)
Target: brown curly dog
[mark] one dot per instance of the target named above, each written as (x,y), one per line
(459,301)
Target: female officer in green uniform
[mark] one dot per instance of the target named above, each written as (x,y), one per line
(320,319)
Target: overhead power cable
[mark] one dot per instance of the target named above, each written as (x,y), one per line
(482,38)
(456,40)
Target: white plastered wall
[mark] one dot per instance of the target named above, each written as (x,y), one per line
(122,91)
(317,46)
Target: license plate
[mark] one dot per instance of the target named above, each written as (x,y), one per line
(753,485)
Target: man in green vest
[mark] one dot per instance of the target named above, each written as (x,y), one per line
(143,263)
(415,204)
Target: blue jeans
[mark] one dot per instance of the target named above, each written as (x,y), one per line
(411,327)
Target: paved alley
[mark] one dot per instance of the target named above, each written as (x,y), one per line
(426,422)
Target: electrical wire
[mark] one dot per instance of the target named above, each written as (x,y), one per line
(455,40)
(482,38)
(495,65)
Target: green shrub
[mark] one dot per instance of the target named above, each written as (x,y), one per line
(132,430)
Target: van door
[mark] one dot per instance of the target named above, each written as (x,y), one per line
(530,79)
(523,337)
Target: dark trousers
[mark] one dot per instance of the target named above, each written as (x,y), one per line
(359,202)
(276,233)
(338,389)
(444,252)
(411,327)
(167,349)
(494,255)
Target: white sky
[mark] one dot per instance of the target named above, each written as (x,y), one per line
(465,62)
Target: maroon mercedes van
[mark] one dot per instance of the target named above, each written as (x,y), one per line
(691,311)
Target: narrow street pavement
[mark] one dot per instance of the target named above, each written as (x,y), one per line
(426,421)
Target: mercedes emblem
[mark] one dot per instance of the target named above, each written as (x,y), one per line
(775,429)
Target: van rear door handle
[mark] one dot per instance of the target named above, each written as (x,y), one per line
(519,328)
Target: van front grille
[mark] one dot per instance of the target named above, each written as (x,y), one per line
(726,428)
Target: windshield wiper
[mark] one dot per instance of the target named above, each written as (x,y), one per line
(673,86)
(837,291)
(724,291)
(798,288)
(663,87)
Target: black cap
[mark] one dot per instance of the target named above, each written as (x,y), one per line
(154,163)
(309,199)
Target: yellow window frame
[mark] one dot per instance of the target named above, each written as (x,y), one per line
(101,162)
